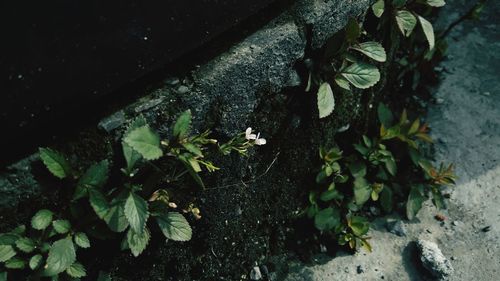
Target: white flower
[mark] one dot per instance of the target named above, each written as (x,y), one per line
(259,141)
(249,135)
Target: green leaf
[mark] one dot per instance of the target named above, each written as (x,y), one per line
(61,256)
(438,199)
(174,226)
(406,22)
(35,261)
(386,199)
(378,8)
(115,217)
(342,82)
(361,75)
(131,156)
(25,244)
(390,165)
(330,195)
(41,219)
(385,115)
(61,226)
(193,149)
(327,219)
(352,30)
(435,3)
(95,177)
(6,252)
(182,125)
(358,169)
(76,270)
(138,241)
(371,49)
(15,263)
(362,191)
(55,162)
(398,3)
(326,101)
(428,31)
(145,141)
(3,276)
(359,225)
(136,212)
(98,203)
(8,238)
(188,163)
(82,240)
(415,200)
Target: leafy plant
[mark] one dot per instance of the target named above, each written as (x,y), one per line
(348,63)
(347,184)
(49,248)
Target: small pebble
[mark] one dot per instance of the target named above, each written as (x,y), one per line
(439,101)
(486,94)
(440,217)
(182,90)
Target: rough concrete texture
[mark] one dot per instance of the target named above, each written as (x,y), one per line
(465,123)
(433,260)
(325,18)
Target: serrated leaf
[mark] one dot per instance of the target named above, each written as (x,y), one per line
(342,82)
(137,242)
(61,226)
(136,212)
(61,256)
(371,49)
(415,200)
(174,226)
(193,149)
(327,219)
(182,125)
(95,177)
(406,22)
(145,141)
(362,191)
(131,156)
(115,217)
(35,261)
(25,244)
(76,270)
(82,240)
(326,101)
(378,8)
(55,162)
(98,203)
(361,75)
(6,252)
(428,31)
(15,263)
(435,3)
(41,219)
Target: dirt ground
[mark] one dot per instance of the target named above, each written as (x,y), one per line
(465,122)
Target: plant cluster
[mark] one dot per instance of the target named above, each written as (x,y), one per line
(347,185)
(91,209)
